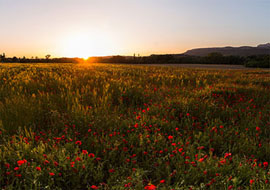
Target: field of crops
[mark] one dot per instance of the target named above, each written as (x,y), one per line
(98,126)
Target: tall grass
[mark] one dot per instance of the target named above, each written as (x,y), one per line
(72,126)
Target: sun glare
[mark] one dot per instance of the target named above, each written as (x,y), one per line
(85,45)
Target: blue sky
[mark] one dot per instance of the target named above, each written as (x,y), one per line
(98,27)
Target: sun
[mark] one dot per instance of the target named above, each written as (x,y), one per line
(85,45)
(78,46)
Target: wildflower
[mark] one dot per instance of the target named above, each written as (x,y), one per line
(162,181)
(251,181)
(84,152)
(265,164)
(51,174)
(170,137)
(20,162)
(94,187)
(201,160)
(16,168)
(227,155)
(38,168)
(78,143)
(91,155)
(111,170)
(72,164)
(200,147)
(46,162)
(150,187)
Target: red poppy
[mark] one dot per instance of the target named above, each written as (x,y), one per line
(150,187)
(20,162)
(170,137)
(201,160)
(94,187)
(162,181)
(84,152)
(91,155)
(111,170)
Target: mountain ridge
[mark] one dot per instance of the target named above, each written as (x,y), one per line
(261,49)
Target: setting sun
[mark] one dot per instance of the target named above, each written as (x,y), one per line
(85,45)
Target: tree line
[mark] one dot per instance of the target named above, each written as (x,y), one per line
(262,61)
(47,59)
(213,58)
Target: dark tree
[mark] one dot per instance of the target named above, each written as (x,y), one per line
(48,56)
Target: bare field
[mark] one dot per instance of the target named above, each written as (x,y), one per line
(207,66)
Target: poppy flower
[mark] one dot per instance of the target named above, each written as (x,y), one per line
(94,187)
(170,137)
(150,187)
(20,162)
(84,152)
(162,181)
(91,155)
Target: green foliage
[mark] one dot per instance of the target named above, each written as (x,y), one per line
(258,61)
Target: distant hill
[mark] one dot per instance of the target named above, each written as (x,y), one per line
(262,49)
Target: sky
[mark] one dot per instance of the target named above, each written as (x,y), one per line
(82,28)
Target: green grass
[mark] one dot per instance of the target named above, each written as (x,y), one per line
(79,126)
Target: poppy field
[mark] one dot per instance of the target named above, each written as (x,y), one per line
(109,126)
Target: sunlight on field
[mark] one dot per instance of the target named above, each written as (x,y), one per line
(87,126)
